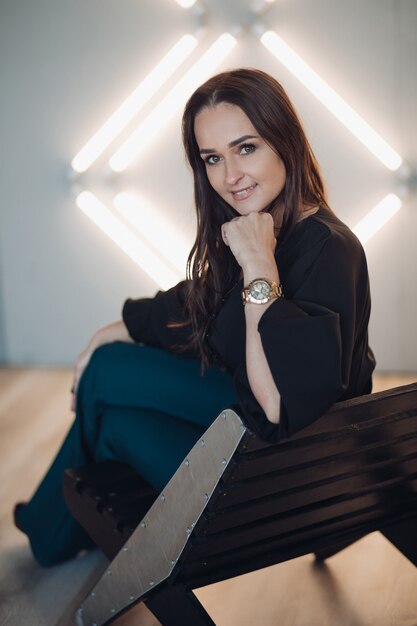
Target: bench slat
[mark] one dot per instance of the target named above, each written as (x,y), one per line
(348,414)
(374,503)
(277,549)
(311,449)
(348,488)
(364,462)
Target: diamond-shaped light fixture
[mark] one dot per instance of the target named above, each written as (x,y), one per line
(132,226)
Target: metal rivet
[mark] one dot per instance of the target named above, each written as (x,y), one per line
(132,598)
(113,611)
(163,498)
(224,461)
(224,415)
(93,594)
(151,583)
(109,572)
(206,496)
(187,462)
(189,531)
(125,549)
(173,562)
(202,442)
(143,524)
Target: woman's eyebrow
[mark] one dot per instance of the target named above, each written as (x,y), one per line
(232,144)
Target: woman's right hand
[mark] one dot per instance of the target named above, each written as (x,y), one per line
(116,331)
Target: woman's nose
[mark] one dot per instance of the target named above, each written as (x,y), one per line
(233,174)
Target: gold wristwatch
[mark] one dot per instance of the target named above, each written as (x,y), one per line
(261,290)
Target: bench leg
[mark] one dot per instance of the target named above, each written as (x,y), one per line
(403,537)
(174,606)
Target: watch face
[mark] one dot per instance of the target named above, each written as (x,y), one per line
(260,291)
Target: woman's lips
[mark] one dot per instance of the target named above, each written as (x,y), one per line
(243,194)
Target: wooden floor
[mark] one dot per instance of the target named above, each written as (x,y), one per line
(368,584)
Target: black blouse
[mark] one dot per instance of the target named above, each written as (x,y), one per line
(315,338)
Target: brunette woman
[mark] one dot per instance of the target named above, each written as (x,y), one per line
(273,316)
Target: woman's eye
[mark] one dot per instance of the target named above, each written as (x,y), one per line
(247,148)
(212,159)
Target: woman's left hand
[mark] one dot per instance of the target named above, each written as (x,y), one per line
(250,237)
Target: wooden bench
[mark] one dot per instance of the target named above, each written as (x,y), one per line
(237,504)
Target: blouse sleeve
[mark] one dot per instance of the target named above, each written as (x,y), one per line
(159,321)
(309,340)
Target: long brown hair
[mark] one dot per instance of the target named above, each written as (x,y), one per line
(211,267)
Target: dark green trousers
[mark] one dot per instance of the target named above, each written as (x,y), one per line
(136,404)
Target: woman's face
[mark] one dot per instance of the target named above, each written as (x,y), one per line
(240,165)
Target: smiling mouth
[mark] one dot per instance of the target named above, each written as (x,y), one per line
(242,194)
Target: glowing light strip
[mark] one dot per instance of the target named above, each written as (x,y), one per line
(332,101)
(186,4)
(130,243)
(165,110)
(377,217)
(133,104)
(155,229)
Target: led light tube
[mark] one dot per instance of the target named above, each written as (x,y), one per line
(331,100)
(133,104)
(377,217)
(186,4)
(165,110)
(164,275)
(155,229)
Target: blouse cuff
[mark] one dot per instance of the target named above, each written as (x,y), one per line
(135,315)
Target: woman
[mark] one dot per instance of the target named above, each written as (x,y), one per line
(273,316)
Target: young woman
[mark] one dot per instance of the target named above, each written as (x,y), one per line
(273,316)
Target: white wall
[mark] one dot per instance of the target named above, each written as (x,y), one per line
(66,66)
(2,326)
